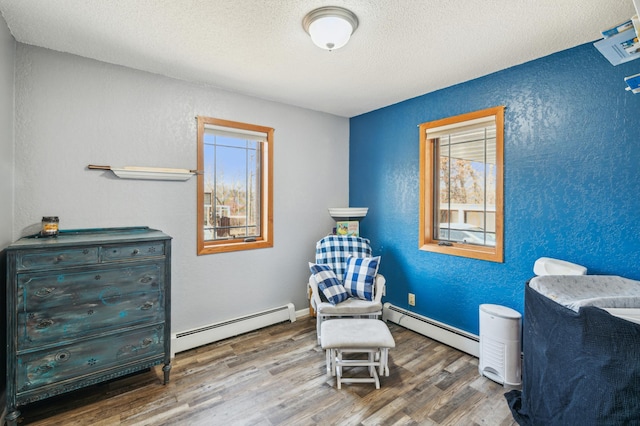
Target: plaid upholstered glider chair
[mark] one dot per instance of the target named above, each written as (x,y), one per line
(344,279)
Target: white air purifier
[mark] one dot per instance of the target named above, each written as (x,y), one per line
(500,329)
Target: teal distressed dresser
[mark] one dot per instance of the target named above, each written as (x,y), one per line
(86,306)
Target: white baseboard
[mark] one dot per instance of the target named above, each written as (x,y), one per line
(224,329)
(302,313)
(436,330)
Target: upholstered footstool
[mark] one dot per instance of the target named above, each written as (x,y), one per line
(357,335)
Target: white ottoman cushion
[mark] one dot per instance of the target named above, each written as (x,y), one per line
(356,333)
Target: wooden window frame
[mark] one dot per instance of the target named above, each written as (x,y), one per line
(266,188)
(427,238)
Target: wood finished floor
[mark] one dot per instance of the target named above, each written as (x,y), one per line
(276,376)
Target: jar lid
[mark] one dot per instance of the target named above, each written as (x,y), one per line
(50,218)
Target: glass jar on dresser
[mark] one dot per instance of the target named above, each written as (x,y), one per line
(83,307)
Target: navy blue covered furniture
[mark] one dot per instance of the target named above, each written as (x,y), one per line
(579,368)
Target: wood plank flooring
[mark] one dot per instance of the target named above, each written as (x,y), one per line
(277,376)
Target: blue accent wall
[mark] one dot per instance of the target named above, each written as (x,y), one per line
(572,182)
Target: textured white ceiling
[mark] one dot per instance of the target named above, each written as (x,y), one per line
(402,48)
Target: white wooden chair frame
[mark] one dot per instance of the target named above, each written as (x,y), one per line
(354,308)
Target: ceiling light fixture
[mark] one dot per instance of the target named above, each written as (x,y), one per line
(330,27)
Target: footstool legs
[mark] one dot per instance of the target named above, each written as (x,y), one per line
(372,366)
(384,362)
(329,361)
(338,369)
(376,361)
(369,337)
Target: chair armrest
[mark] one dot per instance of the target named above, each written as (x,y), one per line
(315,296)
(379,288)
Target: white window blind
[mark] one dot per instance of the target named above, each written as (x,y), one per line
(470,140)
(465,127)
(235,133)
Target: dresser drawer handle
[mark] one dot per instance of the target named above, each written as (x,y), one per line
(59,259)
(147,306)
(44,324)
(135,251)
(147,341)
(146,279)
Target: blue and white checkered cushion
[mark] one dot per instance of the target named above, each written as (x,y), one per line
(328,283)
(360,275)
(333,250)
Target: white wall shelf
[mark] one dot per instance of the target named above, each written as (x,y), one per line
(147,173)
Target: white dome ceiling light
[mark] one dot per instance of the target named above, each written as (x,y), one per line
(330,27)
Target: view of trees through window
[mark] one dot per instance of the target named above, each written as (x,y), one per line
(462,181)
(232,185)
(467,186)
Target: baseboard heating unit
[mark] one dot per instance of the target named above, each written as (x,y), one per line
(224,329)
(436,330)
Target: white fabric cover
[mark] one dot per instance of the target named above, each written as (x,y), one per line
(601,291)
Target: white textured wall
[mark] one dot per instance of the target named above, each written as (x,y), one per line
(72,111)
(7,54)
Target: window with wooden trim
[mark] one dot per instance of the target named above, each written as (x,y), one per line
(235,188)
(461,185)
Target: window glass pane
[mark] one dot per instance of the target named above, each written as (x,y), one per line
(466,186)
(232,177)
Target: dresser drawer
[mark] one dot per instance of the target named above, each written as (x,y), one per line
(132,251)
(56,258)
(88,357)
(60,307)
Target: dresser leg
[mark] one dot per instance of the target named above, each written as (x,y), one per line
(166,369)
(12,417)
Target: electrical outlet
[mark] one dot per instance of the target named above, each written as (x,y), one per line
(412,299)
